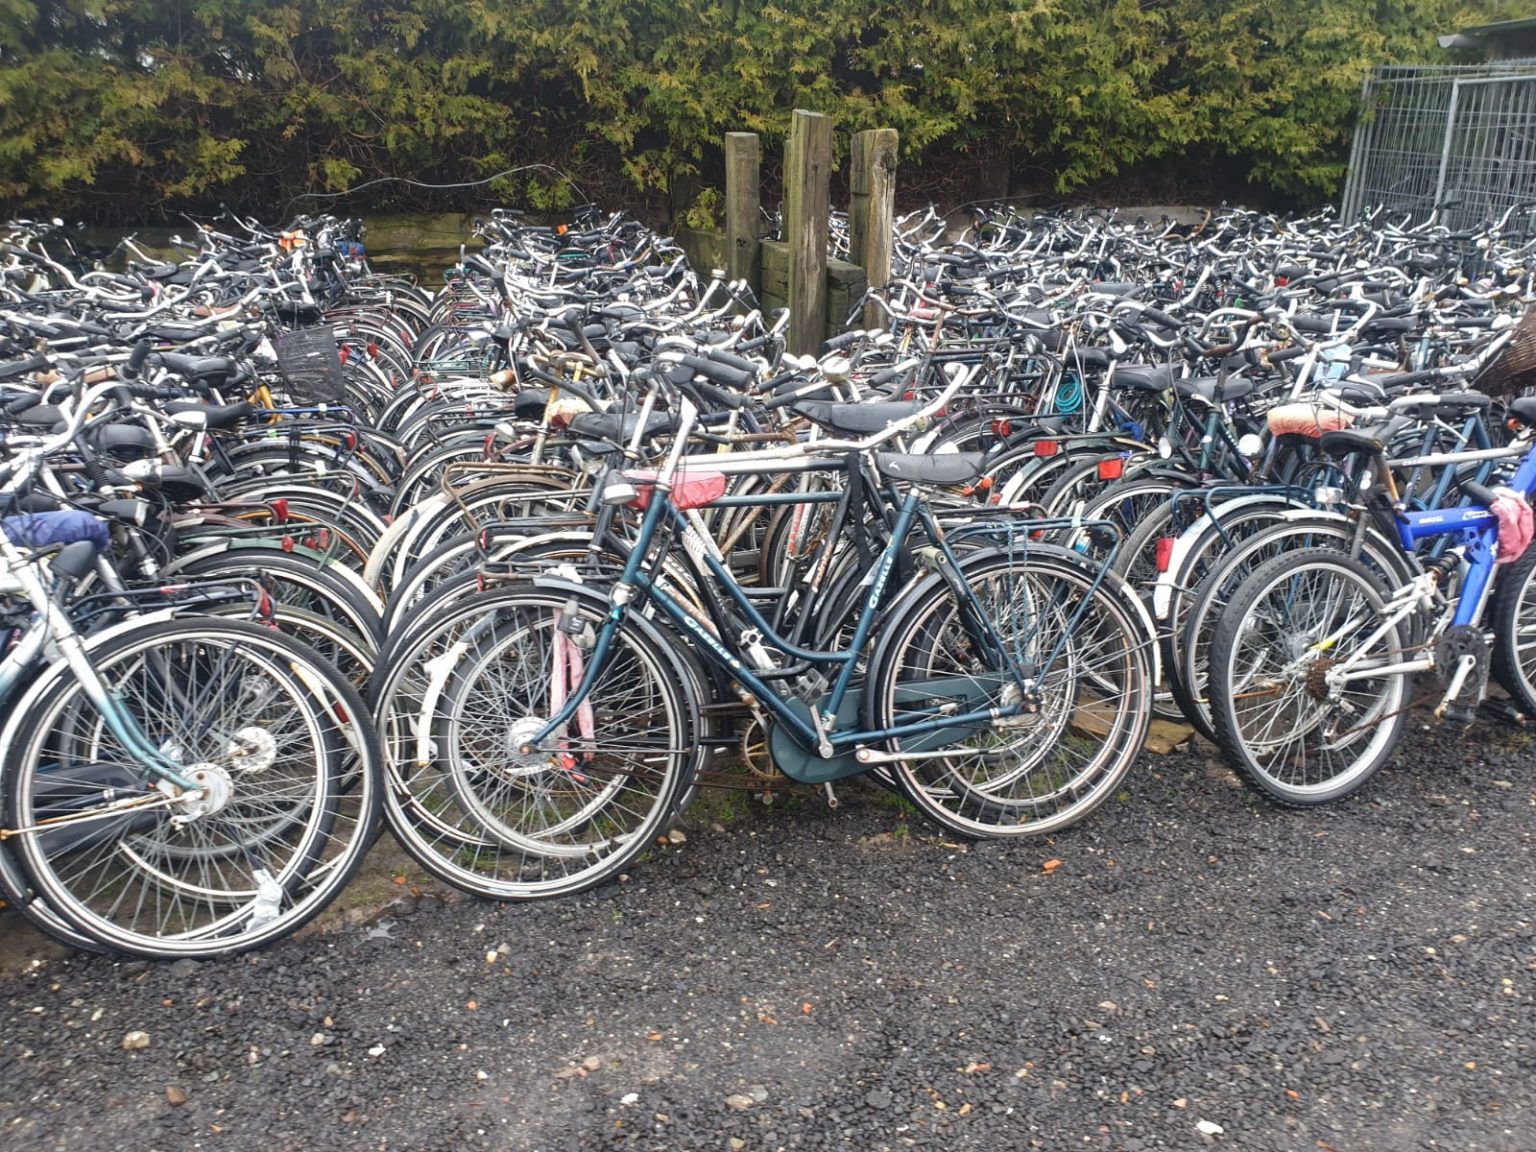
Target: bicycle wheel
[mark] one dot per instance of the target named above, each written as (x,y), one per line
(456,706)
(1282,714)
(1514,631)
(331,592)
(1085,655)
(1194,615)
(287,804)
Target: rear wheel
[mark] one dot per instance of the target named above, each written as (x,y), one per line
(1085,661)
(285,762)
(1282,709)
(1514,631)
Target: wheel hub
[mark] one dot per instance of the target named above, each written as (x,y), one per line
(517,763)
(1317,677)
(252,750)
(215,790)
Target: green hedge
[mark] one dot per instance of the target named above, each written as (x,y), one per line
(130,109)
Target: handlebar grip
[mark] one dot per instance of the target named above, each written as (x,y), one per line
(1280,355)
(722,374)
(721,356)
(721,396)
(1403,379)
(1161,319)
(136,359)
(1479,492)
(837,343)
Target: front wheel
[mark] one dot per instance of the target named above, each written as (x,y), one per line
(1514,631)
(287,801)
(457,706)
(1042,631)
(1291,696)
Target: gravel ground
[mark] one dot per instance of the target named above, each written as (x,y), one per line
(1199,969)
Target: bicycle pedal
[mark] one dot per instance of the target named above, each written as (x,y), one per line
(1459,714)
(1506,712)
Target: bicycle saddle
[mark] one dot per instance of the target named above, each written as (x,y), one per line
(859,419)
(1346,441)
(1204,388)
(217,415)
(1144,377)
(614,426)
(1524,410)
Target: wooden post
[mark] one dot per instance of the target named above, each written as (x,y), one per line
(743,206)
(807,201)
(872,209)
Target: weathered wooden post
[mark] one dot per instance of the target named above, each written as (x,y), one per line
(743,206)
(872,209)
(807,201)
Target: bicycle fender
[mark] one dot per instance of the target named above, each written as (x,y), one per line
(58,668)
(1169,580)
(256,547)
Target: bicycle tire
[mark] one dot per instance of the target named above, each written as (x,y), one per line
(1094,689)
(1275,716)
(482,816)
(288,759)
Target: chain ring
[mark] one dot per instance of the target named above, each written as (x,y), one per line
(1455,642)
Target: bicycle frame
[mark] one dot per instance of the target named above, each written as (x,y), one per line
(818,731)
(818,728)
(52,626)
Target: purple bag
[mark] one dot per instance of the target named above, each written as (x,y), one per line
(45,529)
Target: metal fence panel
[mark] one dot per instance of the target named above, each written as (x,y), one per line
(1459,137)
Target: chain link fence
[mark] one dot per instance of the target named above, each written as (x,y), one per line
(1460,138)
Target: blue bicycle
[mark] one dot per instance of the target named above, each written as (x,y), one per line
(1313,662)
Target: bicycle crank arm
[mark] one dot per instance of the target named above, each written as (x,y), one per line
(1464,668)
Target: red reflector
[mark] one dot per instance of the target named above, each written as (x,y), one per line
(1164,553)
(287,543)
(1002,429)
(1112,469)
(346,353)
(1046,448)
(350,440)
(280,510)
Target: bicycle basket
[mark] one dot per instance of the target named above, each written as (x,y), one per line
(309,360)
(1514,369)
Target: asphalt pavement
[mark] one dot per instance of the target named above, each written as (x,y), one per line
(1191,967)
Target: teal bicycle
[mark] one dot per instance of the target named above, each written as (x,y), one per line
(540,735)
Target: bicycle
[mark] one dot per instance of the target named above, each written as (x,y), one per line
(174,785)
(1311,662)
(539,736)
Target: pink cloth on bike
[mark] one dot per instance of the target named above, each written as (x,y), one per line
(1306,420)
(689,489)
(1517,523)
